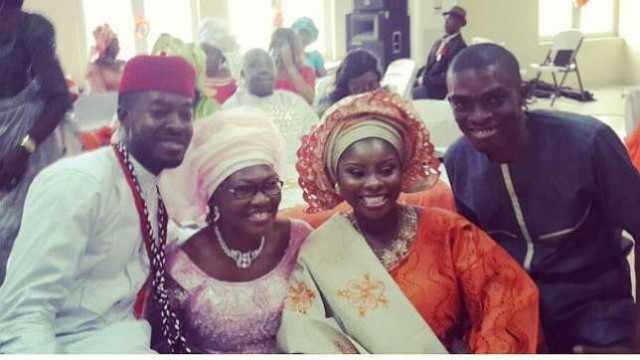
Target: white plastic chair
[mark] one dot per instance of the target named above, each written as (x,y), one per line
(561,58)
(438,118)
(399,76)
(96,110)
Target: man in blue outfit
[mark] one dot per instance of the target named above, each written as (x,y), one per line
(555,190)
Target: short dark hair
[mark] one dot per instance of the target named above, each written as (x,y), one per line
(357,63)
(481,56)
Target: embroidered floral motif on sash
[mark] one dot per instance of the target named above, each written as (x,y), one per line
(300,298)
(365,295)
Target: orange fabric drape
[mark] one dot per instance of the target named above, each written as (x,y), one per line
(581,3)
(633,146)
(439,196)
(465,285)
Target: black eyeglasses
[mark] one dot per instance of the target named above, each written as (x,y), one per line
(269,188)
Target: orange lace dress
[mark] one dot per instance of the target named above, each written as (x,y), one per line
(467,287)
(633,146)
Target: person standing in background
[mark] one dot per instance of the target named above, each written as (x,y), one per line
(31,80)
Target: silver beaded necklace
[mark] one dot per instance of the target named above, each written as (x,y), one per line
(243,259)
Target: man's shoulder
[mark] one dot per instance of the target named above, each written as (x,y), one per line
(94,167)
(459,148)
(570,126)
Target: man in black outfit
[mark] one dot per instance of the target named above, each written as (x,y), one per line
(433,84)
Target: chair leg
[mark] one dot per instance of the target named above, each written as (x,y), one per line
(556,93)
(584,97)
(534,86)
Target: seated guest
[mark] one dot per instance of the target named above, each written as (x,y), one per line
(292,115)
(555,190)
(389,278)
(308,33)
(358,72)
(232,276)
(105,72)
(433,82)
(94,228)
(217,43)
(172,46)
(291,72)
(633,146)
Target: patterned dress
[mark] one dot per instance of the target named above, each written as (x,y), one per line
(234,317)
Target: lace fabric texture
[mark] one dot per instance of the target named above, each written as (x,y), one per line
(230,317)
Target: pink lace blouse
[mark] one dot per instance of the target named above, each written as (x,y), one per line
(234,317)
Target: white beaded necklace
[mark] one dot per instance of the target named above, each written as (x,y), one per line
(243,259)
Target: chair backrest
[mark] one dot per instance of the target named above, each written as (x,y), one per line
(96,110)
(567,40)
(565,47)
(400,75)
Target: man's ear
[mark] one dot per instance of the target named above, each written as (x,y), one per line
(124,116)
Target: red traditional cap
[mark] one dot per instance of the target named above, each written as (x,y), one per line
(159,73)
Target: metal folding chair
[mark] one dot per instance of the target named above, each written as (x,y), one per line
(561,58)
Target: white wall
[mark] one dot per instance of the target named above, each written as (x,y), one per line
(603,62)
(630,32)
(515,22)
(67,17)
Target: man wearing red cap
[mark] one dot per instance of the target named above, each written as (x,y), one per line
(94,229)
(433,81)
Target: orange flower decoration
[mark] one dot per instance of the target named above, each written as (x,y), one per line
(365,295)
(300,298)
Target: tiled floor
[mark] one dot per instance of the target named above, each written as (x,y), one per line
(609,107)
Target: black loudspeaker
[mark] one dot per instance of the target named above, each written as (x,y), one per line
(380,5)
(384,33)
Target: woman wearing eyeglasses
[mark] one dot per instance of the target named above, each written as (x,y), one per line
(231,277)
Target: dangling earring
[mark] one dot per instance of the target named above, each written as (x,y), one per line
(213,216)
(337,188)
(216,214)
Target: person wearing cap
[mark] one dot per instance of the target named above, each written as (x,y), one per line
(308,33)
(94,228)
(433,82)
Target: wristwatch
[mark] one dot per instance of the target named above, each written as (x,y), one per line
(28,144)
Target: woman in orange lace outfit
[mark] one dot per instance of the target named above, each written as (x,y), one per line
(396,278)
(633,146)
